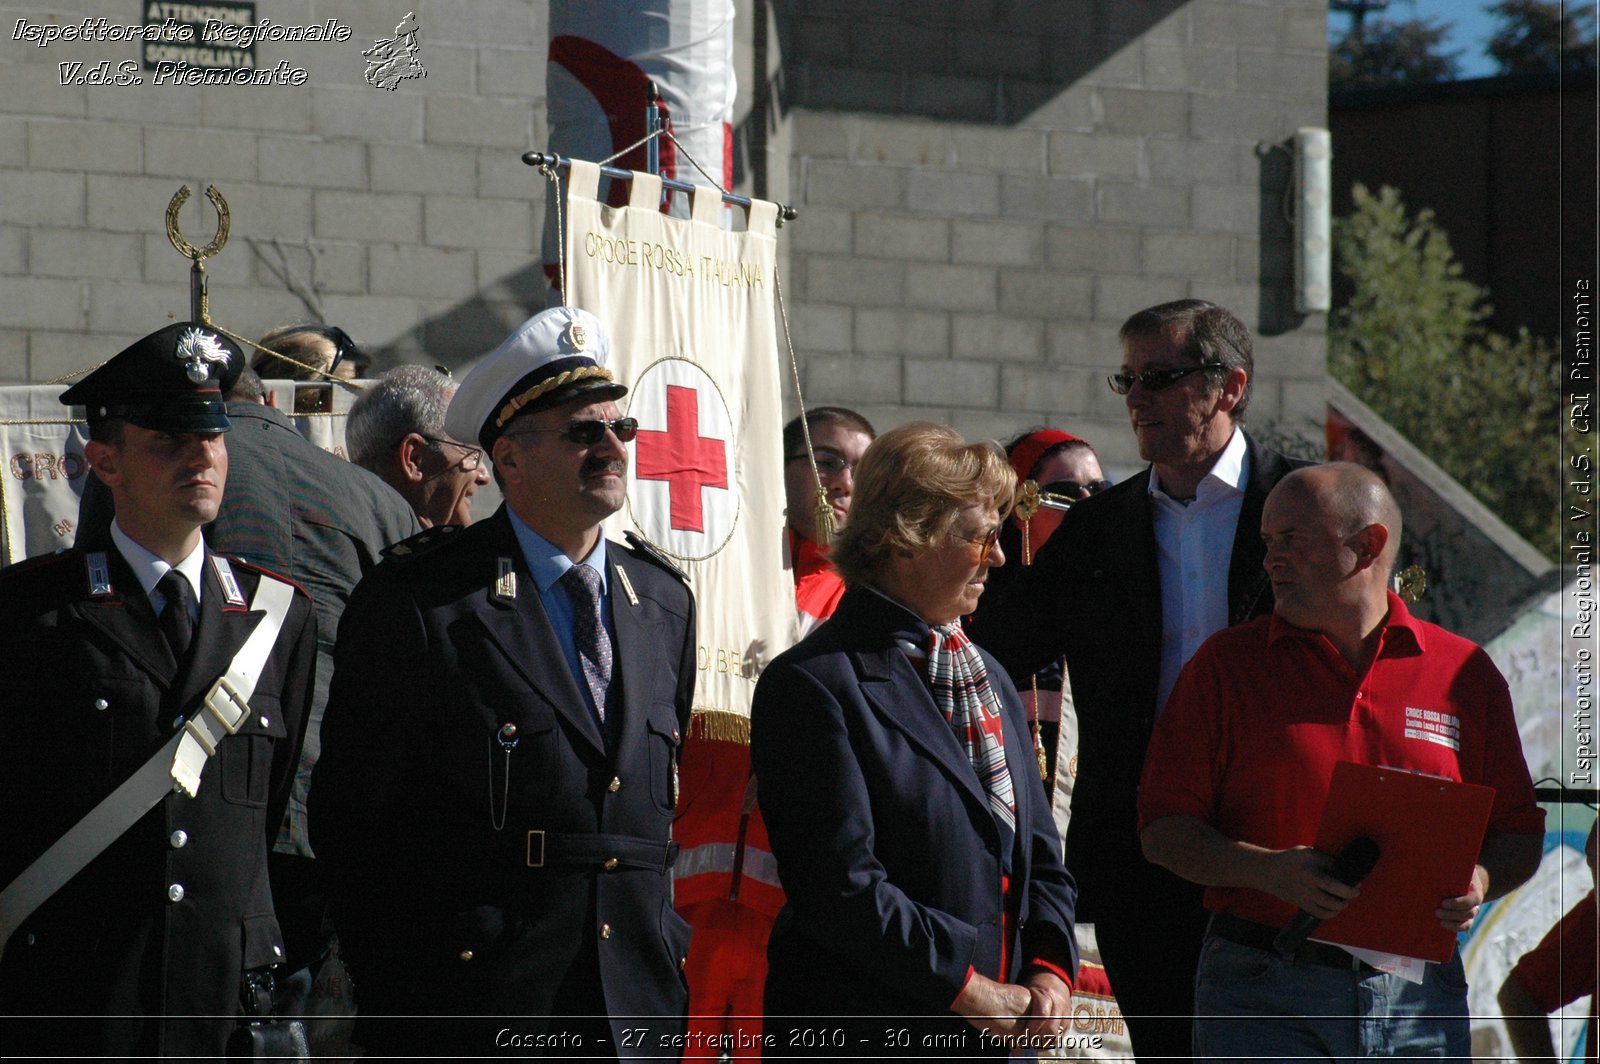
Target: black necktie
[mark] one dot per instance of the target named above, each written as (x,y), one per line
(176,620)
(589,632)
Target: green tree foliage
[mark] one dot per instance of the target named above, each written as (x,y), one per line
(1536,36)
(1405,52)
(1411,342)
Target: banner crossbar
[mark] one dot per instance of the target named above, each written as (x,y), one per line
(786,213)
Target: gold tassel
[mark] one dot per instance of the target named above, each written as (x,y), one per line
(1027,505)
(824,516)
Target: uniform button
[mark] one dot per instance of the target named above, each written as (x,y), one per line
(465,955)
(611,864)
(266,722)
(277,951)
(674,734)
(101,704)
(31,938)
(508,732)
(605,930)
(177,722)
(178,839)
(175,892)
(615,785)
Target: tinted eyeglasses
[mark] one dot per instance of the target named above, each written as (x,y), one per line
(828,465)
(1155,380)
(985,543)
(1061,494)
(588,433)
(469,461)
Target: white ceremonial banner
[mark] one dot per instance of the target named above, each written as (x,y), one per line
(45,468)
(325,429)
(691,312)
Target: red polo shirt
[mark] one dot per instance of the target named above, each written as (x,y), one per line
(1249,738)
(1565,966)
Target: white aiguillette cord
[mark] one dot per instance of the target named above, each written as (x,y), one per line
(177,765)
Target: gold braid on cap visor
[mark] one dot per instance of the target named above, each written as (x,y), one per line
(550,384)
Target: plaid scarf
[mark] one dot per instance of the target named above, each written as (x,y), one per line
(960,684)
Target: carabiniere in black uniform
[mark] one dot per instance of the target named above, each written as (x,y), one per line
(143,952)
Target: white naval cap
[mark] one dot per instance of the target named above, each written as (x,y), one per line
(552,357)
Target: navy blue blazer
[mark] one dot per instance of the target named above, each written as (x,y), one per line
(887,849)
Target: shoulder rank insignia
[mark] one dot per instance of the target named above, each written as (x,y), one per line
(505,582)
(99,574)
(230,586)
(421,543)
(627,585)
(644,550)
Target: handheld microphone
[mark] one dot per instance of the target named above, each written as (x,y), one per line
(1352,865)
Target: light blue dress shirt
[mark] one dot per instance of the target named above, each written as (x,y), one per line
(547,564)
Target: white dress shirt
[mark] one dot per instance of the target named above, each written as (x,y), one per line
(1194,546)
(149,569)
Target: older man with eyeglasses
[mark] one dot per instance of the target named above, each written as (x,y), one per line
(1135,579)
(396,430)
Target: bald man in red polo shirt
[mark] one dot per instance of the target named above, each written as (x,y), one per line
(1239,766)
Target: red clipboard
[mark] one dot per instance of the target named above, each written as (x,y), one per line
(1429,832)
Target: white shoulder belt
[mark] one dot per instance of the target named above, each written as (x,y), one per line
(176,766)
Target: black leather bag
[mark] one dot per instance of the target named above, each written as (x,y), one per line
(259,1035)
(269,1040)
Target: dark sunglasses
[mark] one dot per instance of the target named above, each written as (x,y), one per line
(343,347)
(589,433)
(1155,380)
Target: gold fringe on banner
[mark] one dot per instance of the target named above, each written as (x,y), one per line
(720,726)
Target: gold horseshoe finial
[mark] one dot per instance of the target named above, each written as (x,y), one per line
(185,248)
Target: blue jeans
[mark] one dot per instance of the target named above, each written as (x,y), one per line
(1251,1004)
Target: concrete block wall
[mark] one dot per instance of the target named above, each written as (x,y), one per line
(988,189)
(406,216)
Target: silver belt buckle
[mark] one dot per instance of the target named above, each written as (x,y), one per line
(535,837)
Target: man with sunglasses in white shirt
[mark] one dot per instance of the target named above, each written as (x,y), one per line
(1132,583)
(499,767)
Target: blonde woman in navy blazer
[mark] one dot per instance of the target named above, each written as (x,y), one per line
(928,908)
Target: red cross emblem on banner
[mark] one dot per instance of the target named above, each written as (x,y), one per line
(686,460)
(681,482)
